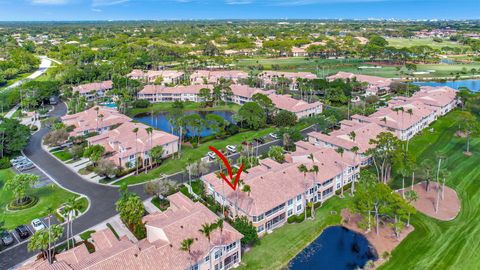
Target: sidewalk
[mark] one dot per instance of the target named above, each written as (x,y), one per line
(150,207)
(118,226)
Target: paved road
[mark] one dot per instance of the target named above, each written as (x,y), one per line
(44,66)
(102,198)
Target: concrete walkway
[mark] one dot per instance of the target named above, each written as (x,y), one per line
(150,207)
(118,226)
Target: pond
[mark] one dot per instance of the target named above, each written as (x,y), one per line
(337,248)
(473,85)
(160,121)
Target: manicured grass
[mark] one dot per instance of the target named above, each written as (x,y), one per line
(409,42)
(188,106)
(278,248)
(49,196)
(453,244)
(171,165)
(63,155)
(328,67)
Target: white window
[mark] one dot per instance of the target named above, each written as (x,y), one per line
(299,207)
(260,228)
(231,246)
(218,253)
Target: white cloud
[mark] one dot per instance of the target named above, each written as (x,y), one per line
(98,3)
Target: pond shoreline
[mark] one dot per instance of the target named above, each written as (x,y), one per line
(384,242)
(360,252)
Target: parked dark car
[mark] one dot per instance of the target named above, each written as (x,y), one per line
(259,140)
(22,231)
(7,238)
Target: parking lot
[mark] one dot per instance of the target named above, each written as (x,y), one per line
(231,150)
(42,181)
(16,238)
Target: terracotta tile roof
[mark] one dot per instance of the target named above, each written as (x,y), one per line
(122,139)
(387,117)
(159,89)
(247,91)
(182,220)
(153,74)
(363,133)
(285,177)
(89,87)
(372,80)
(268,75)
(286,102)
(214,76)
(87,120)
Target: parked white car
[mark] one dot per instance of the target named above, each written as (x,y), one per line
(211,155)
(231,148)
(38,225)
(273,135)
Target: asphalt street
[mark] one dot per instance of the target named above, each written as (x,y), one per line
(102,197)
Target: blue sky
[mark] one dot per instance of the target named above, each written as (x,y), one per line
(20,10)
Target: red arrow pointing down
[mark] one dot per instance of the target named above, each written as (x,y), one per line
(229,169)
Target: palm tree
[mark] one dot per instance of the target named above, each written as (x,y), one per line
(219,225)
(411,196)
(100,117)
(340,151)
(149,132)
(186,245)
(303,169)
(314,170)
(70,209)
(427,167)
(352,135)
(410,112)
(247,189)
(135,130)
(207,230)
(96,109)
(354,150)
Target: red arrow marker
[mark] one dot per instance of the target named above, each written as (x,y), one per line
(229,169)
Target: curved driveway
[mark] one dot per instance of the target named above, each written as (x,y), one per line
(102,198)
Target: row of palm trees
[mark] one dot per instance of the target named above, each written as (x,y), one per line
(315,169)
(44,240)
(153,155)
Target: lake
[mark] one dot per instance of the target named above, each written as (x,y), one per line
(160,121)
(473,85)
(337,248)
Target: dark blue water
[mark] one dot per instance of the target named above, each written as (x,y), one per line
(160,121)
(337,248)
(473,85)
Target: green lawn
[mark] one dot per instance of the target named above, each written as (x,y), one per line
(171,165)
(453,244)
(277,249)
(332,66)
(51,195)
(188,106)
(409,42)
(63,155)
